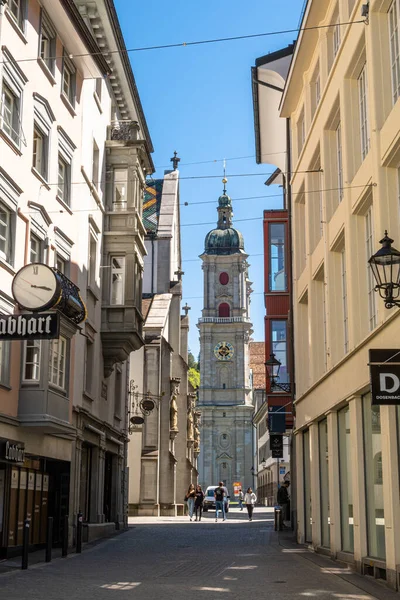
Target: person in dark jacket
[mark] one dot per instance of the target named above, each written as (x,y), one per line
(283,500)
(198,501)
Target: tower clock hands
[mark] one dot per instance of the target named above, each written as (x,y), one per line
(41,287)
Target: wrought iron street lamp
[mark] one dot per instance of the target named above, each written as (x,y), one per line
(385,266)
(273,366)
(140,405)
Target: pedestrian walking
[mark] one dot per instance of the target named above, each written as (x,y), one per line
(283,501)
(241,498)
(190,498)
(198,502)
(250,500)
(226,500)
(219,501)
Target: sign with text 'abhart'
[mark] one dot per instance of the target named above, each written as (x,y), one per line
(384,366)
(41,326)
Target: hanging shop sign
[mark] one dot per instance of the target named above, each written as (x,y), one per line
(45,326)
(12,451)
(38,287)
(276,444)
(384,366)
(277,419)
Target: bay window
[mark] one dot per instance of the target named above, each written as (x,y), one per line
(117,292)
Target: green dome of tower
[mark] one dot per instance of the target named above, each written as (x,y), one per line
(224,239)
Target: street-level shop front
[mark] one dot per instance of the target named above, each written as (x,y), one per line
(32,487)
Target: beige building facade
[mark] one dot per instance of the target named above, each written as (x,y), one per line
(341,97)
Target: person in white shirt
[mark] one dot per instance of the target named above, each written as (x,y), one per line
(250,500)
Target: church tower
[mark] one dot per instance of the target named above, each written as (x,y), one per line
(225,400)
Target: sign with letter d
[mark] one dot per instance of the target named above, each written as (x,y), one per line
(384,368)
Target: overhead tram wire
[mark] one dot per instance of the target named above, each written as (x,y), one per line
(210,201)
(216,160)
(194,43)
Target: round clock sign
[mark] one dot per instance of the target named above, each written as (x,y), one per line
(36,287)
(224,351)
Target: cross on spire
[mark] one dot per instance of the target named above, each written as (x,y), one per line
(224,180)
(186,309)
(175,160)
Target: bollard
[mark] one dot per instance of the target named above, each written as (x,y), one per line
(79,533)
(65,537)
(49,538)
(25,544)
(278,518)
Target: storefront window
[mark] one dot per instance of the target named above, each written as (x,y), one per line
(324,483)
(345,475)
(373,479)
(307,486)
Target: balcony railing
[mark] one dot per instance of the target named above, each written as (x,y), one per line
(224,320)
(123,131)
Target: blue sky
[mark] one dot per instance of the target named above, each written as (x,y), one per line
(198,101)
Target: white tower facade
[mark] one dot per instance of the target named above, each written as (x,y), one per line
(225,395)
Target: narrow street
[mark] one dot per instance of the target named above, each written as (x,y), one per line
(163,558)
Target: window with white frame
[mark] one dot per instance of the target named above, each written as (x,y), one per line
(336,38)
(40,151)
(95,165)
(89,378)
(68,80)
(117,292)
(92,260)
(5,348)
(31,368)
(394,48)
(339,160)
(301,132)
(120,185)
(57,362)
(369,245)
(64,180)
(10,113)
(363,109)
(5,233)
(47,44)
(315,89)
(60,264)
(17,9)
(344,302)
(36,249)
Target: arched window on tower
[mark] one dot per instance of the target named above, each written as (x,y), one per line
(224,310)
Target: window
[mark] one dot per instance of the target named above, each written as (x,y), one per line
(362,99)
(277,273)
(279,347)
(369,245)
(394,49)
(120,189)
(40,152)
(324,482)
(373,479)
(301,132)
(344,303)
(315,89)
(10,120)
(68,80)
(95,165)
(336,38)
(17,10)
(64,180)
(89,366)
(5,348)
(5,233)
(92,261)
(224,278)
(98,87)
(117,295)
(35,254)
(339,161)
(346,480)
(32,360)
(224,310)
(57,362)
(118,390)
(61,264)
(47,45)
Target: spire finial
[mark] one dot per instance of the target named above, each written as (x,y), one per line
(224,180)
(175,160)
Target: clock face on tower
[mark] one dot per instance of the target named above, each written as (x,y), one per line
(224,351)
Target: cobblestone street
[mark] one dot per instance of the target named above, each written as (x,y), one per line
(162,558)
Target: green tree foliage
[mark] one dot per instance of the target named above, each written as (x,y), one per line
(194,377)
(192,362)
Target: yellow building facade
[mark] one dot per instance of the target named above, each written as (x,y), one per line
(341,97)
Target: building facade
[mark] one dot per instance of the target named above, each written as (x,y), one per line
(163,451)
(75,149)
(341,97)
(225,395)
